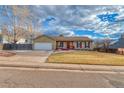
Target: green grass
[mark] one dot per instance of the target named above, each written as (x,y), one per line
(87,57)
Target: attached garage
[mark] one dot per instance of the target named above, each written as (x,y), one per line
(44,43)
(43,46)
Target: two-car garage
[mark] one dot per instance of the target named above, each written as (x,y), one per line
(44,42)
(43,46)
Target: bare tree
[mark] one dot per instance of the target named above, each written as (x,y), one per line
(20,23)
(25,21)
(5,32)
(106,43)
(97,43)
(19,15)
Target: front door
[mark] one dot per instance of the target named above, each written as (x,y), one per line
(70,45)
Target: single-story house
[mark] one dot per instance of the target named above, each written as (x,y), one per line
(44,42)
(118,46)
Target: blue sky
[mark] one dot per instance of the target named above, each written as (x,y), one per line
(110,17)
(92,21)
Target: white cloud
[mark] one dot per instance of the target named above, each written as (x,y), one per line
(78,17)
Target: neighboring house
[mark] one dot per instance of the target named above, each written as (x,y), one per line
(118,46)
(44,42)
(3,39)
(24,41)
(21,41)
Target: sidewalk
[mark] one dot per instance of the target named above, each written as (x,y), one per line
(62,66)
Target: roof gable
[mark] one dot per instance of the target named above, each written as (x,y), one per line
(43,36)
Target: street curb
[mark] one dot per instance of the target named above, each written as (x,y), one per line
(64,67)
(39,66)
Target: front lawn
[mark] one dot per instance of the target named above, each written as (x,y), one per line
(86,57)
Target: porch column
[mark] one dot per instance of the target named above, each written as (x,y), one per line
(57,44)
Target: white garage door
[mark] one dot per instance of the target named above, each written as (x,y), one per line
(43,46)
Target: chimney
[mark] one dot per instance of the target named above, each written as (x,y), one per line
(61,35)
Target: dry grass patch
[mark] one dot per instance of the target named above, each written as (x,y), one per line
(87,57)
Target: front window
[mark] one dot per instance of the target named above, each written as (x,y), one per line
(78,44)
(61,44)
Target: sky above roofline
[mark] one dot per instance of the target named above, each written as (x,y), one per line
(83,20)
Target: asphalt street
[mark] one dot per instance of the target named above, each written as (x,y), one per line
(12,77)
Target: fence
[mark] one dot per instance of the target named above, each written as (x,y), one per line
(17,47)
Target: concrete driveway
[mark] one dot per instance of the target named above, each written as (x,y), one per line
(27,56)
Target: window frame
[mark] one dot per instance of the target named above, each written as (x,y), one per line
(79,43)
(61,44)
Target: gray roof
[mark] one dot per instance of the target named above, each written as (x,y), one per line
(62,38)
(118,44)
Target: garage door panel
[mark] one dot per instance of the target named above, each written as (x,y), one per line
(43,46)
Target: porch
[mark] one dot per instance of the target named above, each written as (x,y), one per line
(70,45)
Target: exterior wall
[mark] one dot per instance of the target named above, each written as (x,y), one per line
(75,45)
(91,45)
(45,39)
(64,45)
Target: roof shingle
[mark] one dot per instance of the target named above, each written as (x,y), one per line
(61,38)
